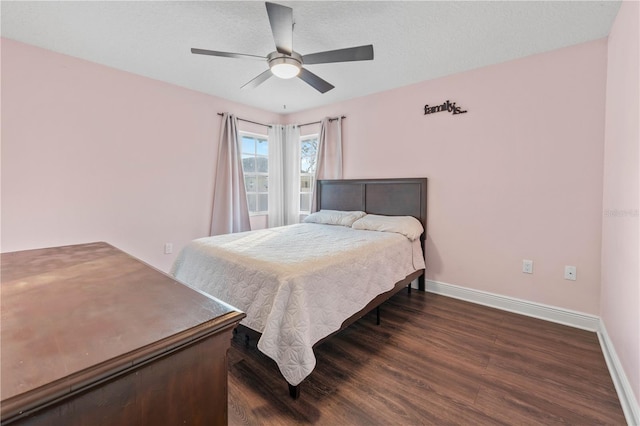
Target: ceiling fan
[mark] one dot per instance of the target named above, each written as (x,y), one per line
(284,62)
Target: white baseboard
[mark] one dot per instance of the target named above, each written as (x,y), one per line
(623,387)
(557,315)
(518,306)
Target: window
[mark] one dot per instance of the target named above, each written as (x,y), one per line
(308,158)
(255,165)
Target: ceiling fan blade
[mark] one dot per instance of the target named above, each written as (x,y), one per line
(225,54)
(360,53)
(314,81)
(281,20)
(257,81)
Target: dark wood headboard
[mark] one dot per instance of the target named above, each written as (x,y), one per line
(391,197)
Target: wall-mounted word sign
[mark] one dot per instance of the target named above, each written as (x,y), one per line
(447,106)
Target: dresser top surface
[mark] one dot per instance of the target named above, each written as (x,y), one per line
(68,310)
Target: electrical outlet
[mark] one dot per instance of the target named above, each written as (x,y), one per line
(168,248)
(527,266)
(570,273)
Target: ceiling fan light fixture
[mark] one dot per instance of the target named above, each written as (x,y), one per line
(285,70)
(285,66)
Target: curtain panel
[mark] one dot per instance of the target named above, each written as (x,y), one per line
(284,175)
(329,163)
(230,211)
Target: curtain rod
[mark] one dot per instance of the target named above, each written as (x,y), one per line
(249,121)
(318,122)
(269,125)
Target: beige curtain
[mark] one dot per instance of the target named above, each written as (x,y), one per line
(230,210)
(329,164)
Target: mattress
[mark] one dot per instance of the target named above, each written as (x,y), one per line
(297,283)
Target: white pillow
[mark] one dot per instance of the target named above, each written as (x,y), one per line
(334,217)
(408,226)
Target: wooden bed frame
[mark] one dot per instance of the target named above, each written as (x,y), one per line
(390,197)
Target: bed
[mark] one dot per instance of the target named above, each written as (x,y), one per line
(325,276)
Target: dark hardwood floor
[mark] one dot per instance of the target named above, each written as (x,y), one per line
(434,360)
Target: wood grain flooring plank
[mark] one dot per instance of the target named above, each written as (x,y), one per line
(558,405)
(434,360)
(554,373)
(514,409)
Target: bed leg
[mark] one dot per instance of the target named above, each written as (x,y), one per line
(246,340)
(421,285)
(294,391)
(409,289)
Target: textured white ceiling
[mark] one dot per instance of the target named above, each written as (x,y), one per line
(413,40)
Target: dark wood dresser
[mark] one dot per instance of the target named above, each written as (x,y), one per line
(93,336)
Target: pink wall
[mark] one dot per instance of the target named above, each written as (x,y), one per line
(517,177)
(92,153)
(620,300)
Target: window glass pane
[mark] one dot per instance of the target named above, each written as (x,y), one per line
(262,147)
(255,164)
(263,184)
(305,183)
(263,202)
(248,145)
(262,164)
(308,151)
(251,201)
(309,146)
(308,160)
(307,165)
(250,183)
(248,164)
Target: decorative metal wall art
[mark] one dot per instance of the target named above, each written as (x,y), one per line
(447,106)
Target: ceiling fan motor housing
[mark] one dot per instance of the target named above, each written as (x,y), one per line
(283,65)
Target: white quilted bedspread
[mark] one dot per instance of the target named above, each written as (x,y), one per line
(297,283)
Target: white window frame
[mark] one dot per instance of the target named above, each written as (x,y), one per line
(255,174)
(309,176)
